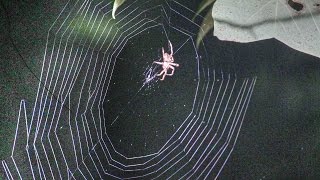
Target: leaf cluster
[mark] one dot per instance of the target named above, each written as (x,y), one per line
(206,25)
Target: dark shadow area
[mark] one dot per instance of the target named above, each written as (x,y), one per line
(280,135)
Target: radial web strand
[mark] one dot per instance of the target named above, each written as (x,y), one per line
(101,111)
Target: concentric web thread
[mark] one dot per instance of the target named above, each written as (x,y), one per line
(70,133)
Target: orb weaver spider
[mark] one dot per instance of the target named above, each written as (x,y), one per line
(168,63)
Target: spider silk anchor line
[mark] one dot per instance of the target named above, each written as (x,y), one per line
(83,43)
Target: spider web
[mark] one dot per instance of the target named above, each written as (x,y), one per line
(100,111)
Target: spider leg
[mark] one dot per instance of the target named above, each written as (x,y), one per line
(161,72)
(164,75)
(171,49)
(172,72)
(174,64)
(158,62)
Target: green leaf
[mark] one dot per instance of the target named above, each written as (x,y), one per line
(116,4)
(206,26)
(295,23)
(203,5)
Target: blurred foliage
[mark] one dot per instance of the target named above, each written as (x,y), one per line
(204,4)
(207,23)
(95,30)
(116,4)
(206,26)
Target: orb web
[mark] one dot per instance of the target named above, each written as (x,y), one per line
(101,111)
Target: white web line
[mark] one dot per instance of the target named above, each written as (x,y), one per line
(67,137)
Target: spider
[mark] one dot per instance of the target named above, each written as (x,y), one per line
(168,63)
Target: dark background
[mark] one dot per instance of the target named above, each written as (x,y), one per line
(280,137)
